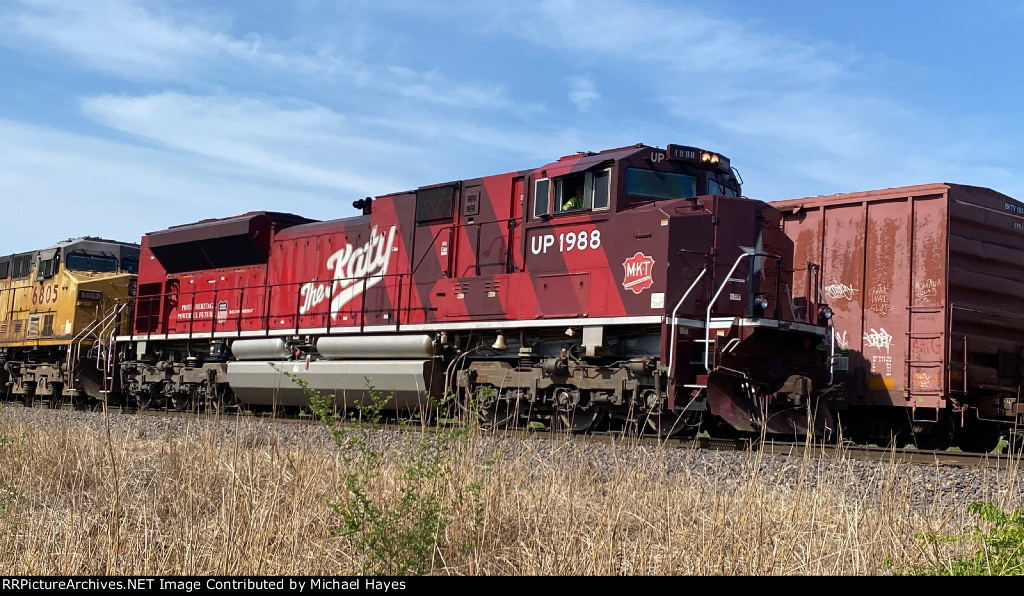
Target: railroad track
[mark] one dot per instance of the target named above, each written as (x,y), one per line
(949,458)
(911,455)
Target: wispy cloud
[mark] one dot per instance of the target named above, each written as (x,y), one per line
(808,116)
(582,93)
(120,37)
(228,105)
(103,188)
(126,39)
(297,144)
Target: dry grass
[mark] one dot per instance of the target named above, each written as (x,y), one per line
(112,502)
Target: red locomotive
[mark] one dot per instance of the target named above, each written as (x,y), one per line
(635,285)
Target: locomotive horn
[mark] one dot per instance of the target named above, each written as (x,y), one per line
(364,204)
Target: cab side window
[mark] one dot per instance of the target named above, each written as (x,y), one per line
(575,192)
(601,184)
(48,268)
(570,191)
(541,198)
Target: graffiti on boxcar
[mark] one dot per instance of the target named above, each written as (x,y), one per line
(926,289)
(926,347)
(922,380)
(839,290)
(878,339)
(882,365)
(878,300)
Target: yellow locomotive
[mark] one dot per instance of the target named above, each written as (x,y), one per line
(60,308)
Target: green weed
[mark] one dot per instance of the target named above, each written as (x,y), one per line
(406,533)
(1000,540)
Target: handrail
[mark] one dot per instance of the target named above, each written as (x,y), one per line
(108,322)
(672,343)
(74,355)
(728,277)
(108,364)
(273,295)
(79,338)
(811,316)
(832,356)
(157,300)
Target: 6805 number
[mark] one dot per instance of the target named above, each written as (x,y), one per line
(44,294)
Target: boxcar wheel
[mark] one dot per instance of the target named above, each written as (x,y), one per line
(978,437)
(935,436)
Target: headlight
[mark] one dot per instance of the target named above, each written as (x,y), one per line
(708,157)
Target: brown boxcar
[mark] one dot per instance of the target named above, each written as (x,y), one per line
(925,284)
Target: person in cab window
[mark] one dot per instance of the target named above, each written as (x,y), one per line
(575,201)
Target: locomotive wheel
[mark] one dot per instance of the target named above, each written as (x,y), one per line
(665,424)
(220,400)
(580,420)
(214,405)
(181,402)
(148,401)
(78,401)
(499,414)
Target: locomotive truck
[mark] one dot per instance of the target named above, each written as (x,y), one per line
(664,301)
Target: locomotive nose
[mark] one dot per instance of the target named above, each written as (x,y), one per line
(791,410)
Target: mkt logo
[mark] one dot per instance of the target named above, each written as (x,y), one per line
(638,269)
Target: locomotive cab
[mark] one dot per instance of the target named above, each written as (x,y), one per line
(674,173)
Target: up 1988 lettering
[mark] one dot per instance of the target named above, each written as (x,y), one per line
(567,241)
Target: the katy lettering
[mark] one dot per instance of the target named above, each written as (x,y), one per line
(351,266)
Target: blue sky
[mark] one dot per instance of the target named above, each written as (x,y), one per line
(120,117)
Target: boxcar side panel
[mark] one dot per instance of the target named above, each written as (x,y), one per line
(887,254)
(842,275)
(986,282)
(882,256)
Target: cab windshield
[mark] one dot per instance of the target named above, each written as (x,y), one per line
(660,185)
(716,188)
(83,262)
